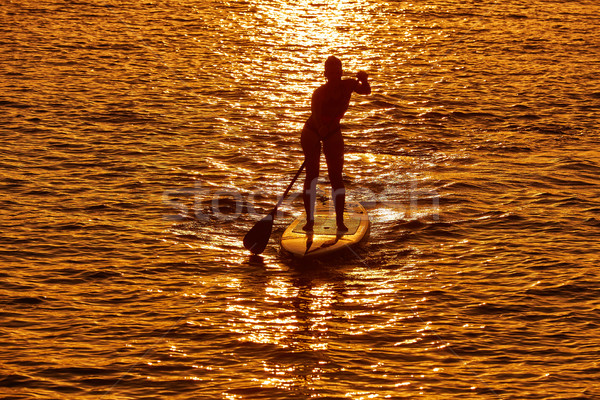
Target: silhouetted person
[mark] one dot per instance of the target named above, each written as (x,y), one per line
(329,104)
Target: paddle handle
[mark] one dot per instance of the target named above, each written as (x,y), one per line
(288,188)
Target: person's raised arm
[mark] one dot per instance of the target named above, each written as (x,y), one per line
(363,86)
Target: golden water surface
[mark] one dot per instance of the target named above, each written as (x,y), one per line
(141,140)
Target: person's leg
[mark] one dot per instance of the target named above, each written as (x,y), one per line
(333,148)
(311,146)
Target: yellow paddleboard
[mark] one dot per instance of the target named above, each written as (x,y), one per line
(325,238)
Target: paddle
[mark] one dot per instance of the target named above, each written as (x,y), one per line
(257,238)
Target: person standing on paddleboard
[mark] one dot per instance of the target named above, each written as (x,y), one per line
(329,104)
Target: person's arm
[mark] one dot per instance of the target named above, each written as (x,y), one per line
(316,106)
(363,86)
(322,120)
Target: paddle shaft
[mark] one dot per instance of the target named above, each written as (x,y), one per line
(257,238)
(288,188)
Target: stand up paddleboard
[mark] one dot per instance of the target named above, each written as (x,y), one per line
(325,239)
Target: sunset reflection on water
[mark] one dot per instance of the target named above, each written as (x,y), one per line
(312,317)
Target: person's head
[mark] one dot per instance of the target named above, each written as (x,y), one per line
(333,68)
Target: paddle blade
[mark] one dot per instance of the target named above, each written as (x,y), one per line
(257,238)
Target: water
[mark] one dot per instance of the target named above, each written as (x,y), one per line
(141,141)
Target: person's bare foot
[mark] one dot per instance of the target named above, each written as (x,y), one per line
(309,226)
